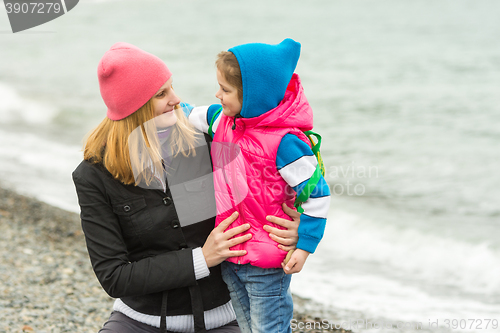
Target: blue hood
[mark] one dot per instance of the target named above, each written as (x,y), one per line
(266,71)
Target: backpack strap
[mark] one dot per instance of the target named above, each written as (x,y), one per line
(315,148)
(210,132)
(307,190)
(316,176)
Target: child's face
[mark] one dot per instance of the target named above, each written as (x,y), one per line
(228,96)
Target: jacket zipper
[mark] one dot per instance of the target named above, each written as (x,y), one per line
(234,178)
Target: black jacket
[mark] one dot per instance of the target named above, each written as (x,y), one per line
(139,250)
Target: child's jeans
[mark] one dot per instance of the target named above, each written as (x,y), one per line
(261,297)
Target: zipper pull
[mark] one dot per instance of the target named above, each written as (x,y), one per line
(234,123)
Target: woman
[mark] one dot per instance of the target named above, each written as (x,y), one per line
(147,206)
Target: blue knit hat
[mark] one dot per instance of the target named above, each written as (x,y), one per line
(266,71)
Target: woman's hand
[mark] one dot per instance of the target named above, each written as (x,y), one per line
(216,247)
(286,238)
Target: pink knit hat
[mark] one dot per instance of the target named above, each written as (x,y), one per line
(128,78)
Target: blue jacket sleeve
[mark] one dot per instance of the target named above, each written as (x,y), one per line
(296,163)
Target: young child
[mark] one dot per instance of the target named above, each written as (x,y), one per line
(261,160)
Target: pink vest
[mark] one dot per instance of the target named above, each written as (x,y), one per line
(245,175)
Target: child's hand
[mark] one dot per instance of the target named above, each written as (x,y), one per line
(296,262)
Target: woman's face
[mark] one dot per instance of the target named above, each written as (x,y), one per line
(164,102)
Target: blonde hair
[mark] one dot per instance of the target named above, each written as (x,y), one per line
(229,68)
(108,143)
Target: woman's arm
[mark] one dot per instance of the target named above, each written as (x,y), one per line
(109,255)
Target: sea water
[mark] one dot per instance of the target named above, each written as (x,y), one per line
(405,95)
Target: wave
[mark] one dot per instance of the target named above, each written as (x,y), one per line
(381,270)
(39,168)
(17,108)
(429,257)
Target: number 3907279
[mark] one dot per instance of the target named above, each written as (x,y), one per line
(471,323)
(33,8)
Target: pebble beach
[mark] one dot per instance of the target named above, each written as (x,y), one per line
(47,284)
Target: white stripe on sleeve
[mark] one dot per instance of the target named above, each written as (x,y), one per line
(317,207)
(299,170)
(198,118)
